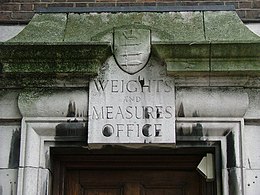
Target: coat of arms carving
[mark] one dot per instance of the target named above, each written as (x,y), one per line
(132,48)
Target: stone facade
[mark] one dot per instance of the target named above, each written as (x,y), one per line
(205,78)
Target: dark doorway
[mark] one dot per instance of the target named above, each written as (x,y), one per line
(129,173)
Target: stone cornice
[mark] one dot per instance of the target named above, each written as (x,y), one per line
(53,58)
(192,44)
(210,58)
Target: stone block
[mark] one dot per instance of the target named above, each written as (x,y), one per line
(184,58)
(252,182)
(252,146)
(27,58)
(206,102)
(8,181)
(8,104)
(53,103)
(253,110)
(33,181)
(10,146)
(235,181)
(235,58)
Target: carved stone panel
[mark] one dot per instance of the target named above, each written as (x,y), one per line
(132,108)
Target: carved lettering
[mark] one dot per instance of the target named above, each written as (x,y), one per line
(158,129)
(97,115)
(114,86)
(134,106)
(132,112)
(132,99)
(119,128)
(109,112)
(132,130)
(119,114)
(169,112)
(100,84)
(133,86)
(129,113)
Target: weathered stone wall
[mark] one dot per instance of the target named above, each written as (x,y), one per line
(22,10)
(10,129)
(49,107)
(251,143)
(191,102)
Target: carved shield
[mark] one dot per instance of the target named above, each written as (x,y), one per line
(132,49)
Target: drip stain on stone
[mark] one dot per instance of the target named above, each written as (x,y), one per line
(195,114)
(181,111)
(197,130)
(11,183)
(71,128)
(71,109)
(15,149)
(180,132)
(158,113)
(146,113)
(231,161)
(141,81)
(249,163)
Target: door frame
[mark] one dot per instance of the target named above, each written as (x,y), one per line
(40,134)
(114,158)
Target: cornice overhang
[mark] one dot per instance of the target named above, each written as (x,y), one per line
(53,58)
(210,58)
(191,43)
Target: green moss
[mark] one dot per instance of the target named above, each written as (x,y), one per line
(56,58)
(52,67)
(29,95)
(2,93)
(36,80)
(226,26)
(187,41)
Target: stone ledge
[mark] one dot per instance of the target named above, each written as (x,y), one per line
(53,58)
(215,58)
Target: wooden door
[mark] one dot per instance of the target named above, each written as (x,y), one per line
(131,175)
(133,182)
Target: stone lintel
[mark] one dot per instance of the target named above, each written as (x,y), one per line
(242,58)
(215,58)
(46,58)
